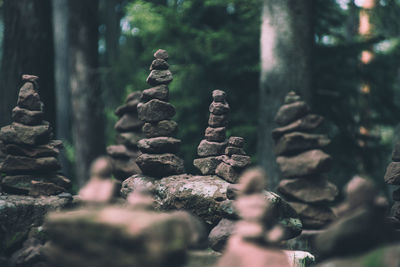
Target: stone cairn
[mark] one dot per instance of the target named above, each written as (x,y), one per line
(31,164)
(302,163)
(225,158)
(129,127)
(392,177)
(158,158)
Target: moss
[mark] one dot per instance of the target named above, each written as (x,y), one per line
(373,259)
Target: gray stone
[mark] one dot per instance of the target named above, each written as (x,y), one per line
(26,135)
(125,167)
(218,108)
(230,150)
(159,145)
(207,166)
(219,96)
(161,128)
(236,141)
(155,110)
(129,107)
(160,92)
(291,112)
(159,64)
(26,116)
(218,120)
(227,172)
(207,148)
(19,164)
(52,149)
(22,184)
(129,139)
(44,189)
(297,141)
(121,151)
(238,161)
(161,54)
(160,165)
(28,97)
(134,96)
(215,134)
(219,234)
(158,77)
(313,216)
(128,122)
(392,175)
(308,122)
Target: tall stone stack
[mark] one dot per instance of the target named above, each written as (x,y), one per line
(159,148)
(30,165)
(129,127)
(302,163)
(392,177)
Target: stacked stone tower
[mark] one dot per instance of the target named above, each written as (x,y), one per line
(302,163)
(31,164)
(158,158)
(392,177)
(129,129)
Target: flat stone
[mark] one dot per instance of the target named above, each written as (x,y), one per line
(30,78)
(129,107)
(160,92)
(207,148)
(230,150)
(128,122)
(219,96)
(218,108)
(291,97)
(158,77)
(217,120)
(159,145)
(308,122)
(52,149)
(159,64)
(125,167)
(129,139)
(236,141)
(291,112)
(306,163)
(121,151)
(21,184)
(26,116)
(26,135)
(161,128)
(44,189)
(392,175)
(309,191)
(396,194)
(134,96)
(215,134)
(219,234)
(161,54)
(155,110)
(238,161)
(20,164)
(396,152)
(297,141)
(227,172)
(29,98)
(207,166)
(313,216)
(160,165)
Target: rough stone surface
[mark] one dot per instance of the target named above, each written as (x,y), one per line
(22,184)
(219,234)
(19,164)
(155,110)
(52,149)
(207,148)
(159,145)
(215,134)
(218,108)
(27,117)
(238,161)
(313,217)
(124,167)
(306,163)
(217,120)
(159,64)
(291,112)
(160,165)
(230,150)
(309,191)
(160,92)
(28,98)
(161,128)
(308,122)
(158,77)
(128,122)
(219,96)
(298,141)
(130,106)
(44,189)
(207,166)
(227,172)
(25,135)
(161,54)
(236,141)
(392,175)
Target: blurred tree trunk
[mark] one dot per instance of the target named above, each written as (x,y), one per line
(87,104)
(113,12)
(27,49)
(286,45)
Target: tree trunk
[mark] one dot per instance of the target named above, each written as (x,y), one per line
(87,104)
(27,49)
(286,44)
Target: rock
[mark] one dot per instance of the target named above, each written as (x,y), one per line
(158,77)
(219,234)
(215,134)
(297,141)
(309,191)
(160,165)
(392,175)
(128,122)
(396,194)
(219,96)
(227,172)
(291,112)
(207,166)
(22,184)
(230,150)
(161,128)
(308,122)
(159,64)
(396,152)
(26,135)
(206,258)
(129,139)
(29,255)
(20,164)
(47,150)
(44,189)
(312,216)
(197,231)
(238,161)
(124,167)
(120,151)
(306,163)
(155,110)
(218,108)
(129,107)
(27,117)
(160,92)
(100,190)
(236,141)
(217,120)
(291,97)
(207,148)
(300,258)
(233,191)
(159,145)
(28,98)
(395,211)
(134,96)
(161,54)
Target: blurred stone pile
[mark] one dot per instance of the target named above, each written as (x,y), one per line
(302,163)
(159,148)
(392,177)
(31,165)
(129,129)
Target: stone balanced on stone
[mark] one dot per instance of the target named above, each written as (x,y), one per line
(129,129)
(302,163)
(31,164)
(392,177)
(158,158)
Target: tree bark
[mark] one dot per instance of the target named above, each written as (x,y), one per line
(286,45)
(87,104)
(27,49)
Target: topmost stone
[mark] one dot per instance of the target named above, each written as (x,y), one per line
(29,78)
(291,97)
(161,54)
(219,95)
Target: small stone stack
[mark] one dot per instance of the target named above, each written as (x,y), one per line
(212,147)
(129,128)
(302,163)
(31,164)
(158,158)
(392,177)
